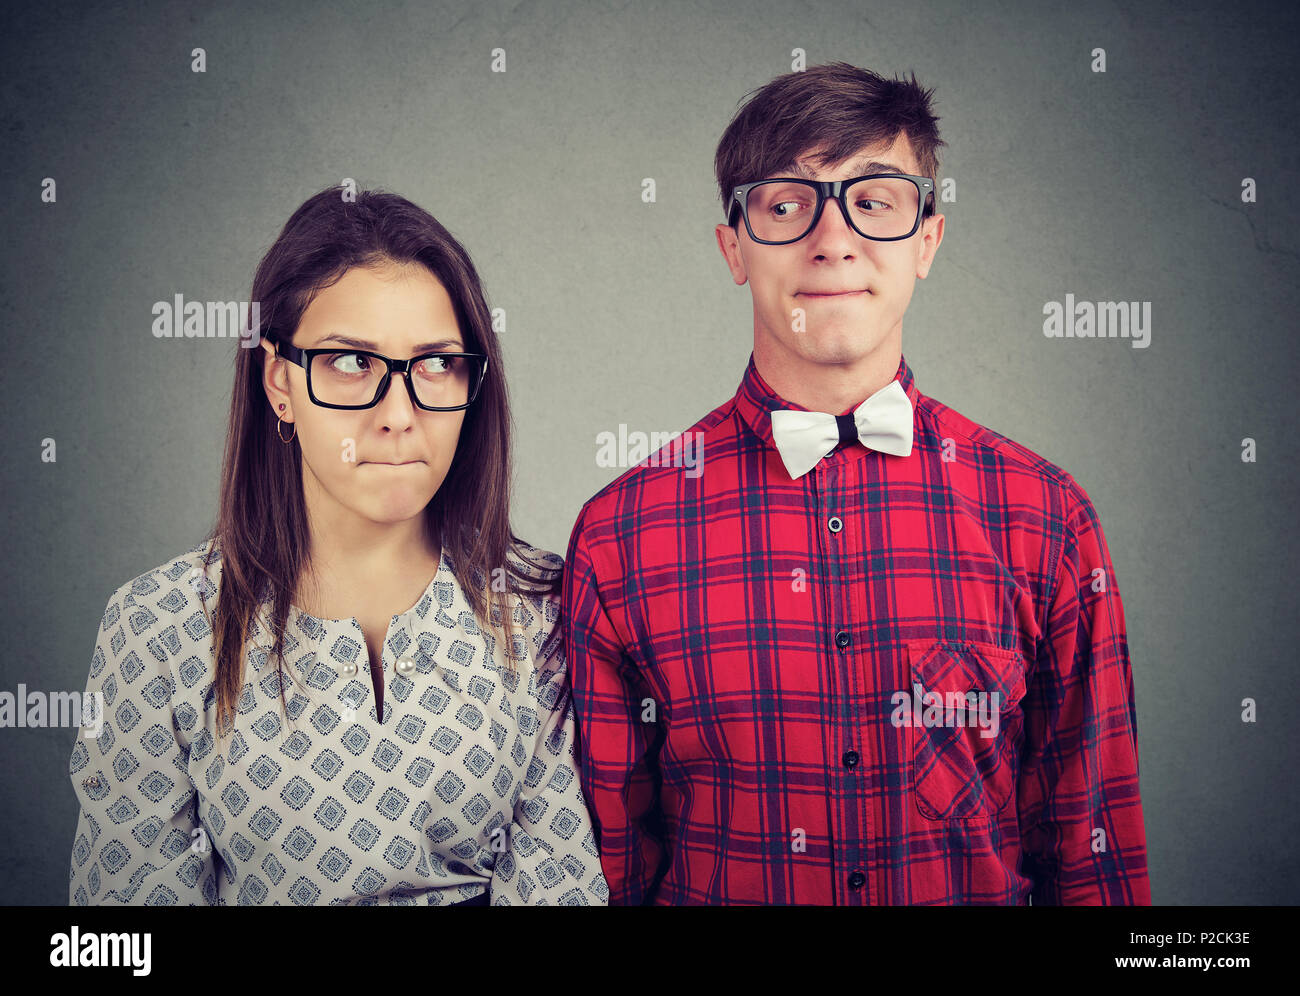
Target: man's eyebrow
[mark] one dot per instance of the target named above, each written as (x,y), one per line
(863,167)
(424,347)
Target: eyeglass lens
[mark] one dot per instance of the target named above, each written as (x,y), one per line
(879,207)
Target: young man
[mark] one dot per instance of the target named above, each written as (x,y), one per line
(875,652)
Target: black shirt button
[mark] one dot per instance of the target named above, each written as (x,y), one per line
(841,639)
(851,759)
(857,880)
(835,524)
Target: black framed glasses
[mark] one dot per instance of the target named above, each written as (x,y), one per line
(339,377)
(883,207)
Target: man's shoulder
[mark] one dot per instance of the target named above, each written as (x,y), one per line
(1027,477)
(684,453)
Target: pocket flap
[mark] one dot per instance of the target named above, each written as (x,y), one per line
(955,666)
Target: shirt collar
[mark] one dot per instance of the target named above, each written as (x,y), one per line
(755,401)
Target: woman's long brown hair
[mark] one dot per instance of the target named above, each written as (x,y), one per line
(262,531)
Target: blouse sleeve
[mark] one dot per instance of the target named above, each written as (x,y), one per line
(550,852)
(138,839)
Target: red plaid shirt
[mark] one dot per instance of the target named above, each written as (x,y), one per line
(740,646)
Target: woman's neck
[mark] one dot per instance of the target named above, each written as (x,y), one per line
(379,572)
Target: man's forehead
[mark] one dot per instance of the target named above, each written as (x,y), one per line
(895,158)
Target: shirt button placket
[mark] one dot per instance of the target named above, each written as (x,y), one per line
(354,706)
(847,718)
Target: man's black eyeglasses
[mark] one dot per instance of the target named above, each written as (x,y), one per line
(883,207)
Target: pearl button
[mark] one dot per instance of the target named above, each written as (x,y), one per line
(349,669)
(405,666)
(835,524)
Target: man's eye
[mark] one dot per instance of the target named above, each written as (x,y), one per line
(783,209)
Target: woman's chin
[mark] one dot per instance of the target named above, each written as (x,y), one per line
(398,506)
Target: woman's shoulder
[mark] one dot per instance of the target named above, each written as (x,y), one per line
(155,634)
(535,563)
(537,605)
(175,589)
(543,572)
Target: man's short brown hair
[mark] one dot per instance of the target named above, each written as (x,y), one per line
(837,108)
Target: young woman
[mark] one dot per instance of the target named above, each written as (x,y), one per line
(353,691)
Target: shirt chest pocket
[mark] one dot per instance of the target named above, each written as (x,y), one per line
(965,721)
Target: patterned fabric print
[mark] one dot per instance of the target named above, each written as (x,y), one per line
(468,784)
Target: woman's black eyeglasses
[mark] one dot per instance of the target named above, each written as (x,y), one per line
(339,377)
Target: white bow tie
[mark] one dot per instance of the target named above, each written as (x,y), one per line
(883,422)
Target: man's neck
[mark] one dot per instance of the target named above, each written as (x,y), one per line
(833,388)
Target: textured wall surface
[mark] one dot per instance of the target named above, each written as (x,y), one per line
(1122,185)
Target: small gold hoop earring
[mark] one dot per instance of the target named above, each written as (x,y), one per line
(292,434)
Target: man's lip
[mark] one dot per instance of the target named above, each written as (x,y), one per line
(846,293)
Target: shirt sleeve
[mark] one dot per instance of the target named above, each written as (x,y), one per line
(550,850)
(1079,801)
(618,751)
(138,839)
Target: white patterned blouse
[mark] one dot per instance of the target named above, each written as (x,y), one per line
(466,790)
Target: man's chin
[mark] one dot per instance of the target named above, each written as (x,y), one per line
(826,338)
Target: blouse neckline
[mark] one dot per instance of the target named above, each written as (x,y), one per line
(443,573)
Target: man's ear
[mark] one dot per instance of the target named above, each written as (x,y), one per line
(275,380)
(931,236)
(729,243)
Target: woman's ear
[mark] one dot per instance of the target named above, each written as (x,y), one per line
(275,380)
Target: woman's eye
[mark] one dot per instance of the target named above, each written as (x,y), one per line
(436,365)
(351,363)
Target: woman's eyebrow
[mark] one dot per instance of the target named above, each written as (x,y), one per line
(424,347)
